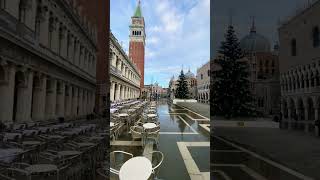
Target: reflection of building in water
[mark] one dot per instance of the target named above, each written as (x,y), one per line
(192,85)
(300,69)
(264,71)
(203,83)
(125,77)
(47,61)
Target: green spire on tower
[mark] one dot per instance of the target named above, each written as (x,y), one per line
(138,12)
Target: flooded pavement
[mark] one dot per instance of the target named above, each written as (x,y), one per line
(232,161)
(185,145)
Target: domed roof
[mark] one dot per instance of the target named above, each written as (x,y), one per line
(255,42)
(189,74)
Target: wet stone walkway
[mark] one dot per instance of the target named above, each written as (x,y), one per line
(185,145)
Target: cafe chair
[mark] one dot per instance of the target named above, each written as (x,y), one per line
(136,132)
(157,159)
(118,158)
(154,135)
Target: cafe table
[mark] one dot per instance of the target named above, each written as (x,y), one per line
(139,168)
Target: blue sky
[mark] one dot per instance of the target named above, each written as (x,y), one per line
(178,34)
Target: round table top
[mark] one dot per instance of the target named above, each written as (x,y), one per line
(123,114)
(149,125)
(111,124)
(69,153)
(86,144)
(40,168)
(151,115)
(113,110)
(55,137)
(136,168)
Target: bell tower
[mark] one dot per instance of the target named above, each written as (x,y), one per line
(137,41)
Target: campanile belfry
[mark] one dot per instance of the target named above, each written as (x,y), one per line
(137,41)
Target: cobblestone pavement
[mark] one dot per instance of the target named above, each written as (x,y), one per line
(203,109)
(296,150)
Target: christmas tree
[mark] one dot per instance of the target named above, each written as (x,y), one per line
(182,91)
(231,86)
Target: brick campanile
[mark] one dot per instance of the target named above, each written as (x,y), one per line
(137,41)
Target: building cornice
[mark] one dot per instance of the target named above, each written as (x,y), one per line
(118,46)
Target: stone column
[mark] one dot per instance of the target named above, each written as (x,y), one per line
(81,57)
(75,102)
(7,94)
(84,102)
(85,59)
(24,95)
(44,27)
(118,92)
(76,52)
(60,100)
(39,99)
(112,89)
(69,102)
(86,107)
(51,99)
(71,48)
(80,110)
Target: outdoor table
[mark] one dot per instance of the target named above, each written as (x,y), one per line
(55,137)
(96,138)
(11,136)
(113,110)
(69,133)
(120,107)
(131,110)
(111,124)
(31,143)
(44,129)
(69,153)
(28,132)
(41,168)
(149,125)
(136,168)
(8,155)
(151,115)
(123,115)
(85,144)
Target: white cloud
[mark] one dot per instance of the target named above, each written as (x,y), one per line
(153,40)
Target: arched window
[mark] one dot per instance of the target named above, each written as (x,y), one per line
(316,36)
(293,47)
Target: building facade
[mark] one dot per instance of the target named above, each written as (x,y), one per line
(300,69)
(263,72)
(97,12)
(137,41)
(203,83)
(47,61)
(125,77)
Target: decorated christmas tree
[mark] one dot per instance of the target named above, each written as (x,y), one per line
(231,86)
(182,91)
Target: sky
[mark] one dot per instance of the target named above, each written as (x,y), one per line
(178,35)
(267,13)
